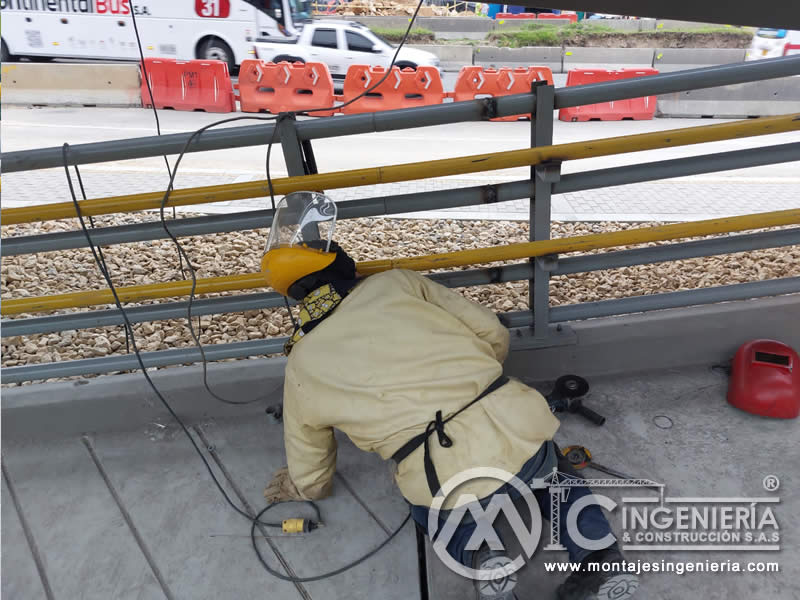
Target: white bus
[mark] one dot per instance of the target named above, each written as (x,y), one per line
(184,29)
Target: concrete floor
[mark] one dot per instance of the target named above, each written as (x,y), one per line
(134,515)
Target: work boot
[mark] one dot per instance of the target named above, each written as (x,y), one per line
(498,588)
(595,583)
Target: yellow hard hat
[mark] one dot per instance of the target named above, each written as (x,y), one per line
(283,266)
(300,220)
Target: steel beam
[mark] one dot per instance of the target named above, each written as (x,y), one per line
(258,135)
(587,310)
(472,277)
(412,171)
(387,205)
(128,362)
(460,258)
(636,304)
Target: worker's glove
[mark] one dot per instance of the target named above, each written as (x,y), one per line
(281,488)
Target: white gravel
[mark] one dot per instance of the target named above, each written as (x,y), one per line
(365,239)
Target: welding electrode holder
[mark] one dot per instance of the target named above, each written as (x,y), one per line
(567,396)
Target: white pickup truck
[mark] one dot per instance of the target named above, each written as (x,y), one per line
(340,44)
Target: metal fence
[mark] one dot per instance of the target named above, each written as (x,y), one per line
(539,324)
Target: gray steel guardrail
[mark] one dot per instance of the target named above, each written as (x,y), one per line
(403,203)
(447,113)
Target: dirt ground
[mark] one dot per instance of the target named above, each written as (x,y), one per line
(678,39)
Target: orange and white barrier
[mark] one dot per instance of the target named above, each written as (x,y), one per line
(188,85)
(282,87)
(476,81)
(401,89)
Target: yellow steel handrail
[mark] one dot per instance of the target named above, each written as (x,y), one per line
(419,263)
(410,171)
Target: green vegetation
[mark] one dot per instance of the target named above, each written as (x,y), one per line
(598,34)
(396,35)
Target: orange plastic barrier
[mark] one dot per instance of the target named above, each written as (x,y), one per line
(572,18)
(475,81)
(402,89)
(188,85)
(639,109)
(275,88)
(503,16)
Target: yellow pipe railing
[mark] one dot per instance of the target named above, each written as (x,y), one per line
(460,258)
(410,171)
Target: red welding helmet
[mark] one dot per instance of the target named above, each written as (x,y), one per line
(765,379)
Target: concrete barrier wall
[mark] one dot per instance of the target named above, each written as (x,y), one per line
(59,84)
(518,57)
(455,24)
(667,60)
(673,24)
(607,58)
(703,335)
(452,57)
(758,99)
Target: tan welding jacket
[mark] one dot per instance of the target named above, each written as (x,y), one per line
(397,349)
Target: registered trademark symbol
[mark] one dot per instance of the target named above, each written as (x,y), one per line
(771,483)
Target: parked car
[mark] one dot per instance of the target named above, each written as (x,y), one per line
(771,43)
(340,44)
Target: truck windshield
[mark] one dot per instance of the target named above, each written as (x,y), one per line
(301,10)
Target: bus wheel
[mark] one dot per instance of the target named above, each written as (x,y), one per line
(215,49)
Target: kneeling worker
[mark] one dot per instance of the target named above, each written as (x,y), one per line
(413,371)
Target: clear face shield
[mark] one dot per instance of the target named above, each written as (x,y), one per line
(303,218)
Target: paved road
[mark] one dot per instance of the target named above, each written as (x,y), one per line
(733,192)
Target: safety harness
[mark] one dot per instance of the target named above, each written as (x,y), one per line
(437,425)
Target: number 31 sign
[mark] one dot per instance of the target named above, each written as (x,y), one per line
(215,9)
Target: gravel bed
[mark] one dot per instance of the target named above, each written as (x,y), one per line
(365,239)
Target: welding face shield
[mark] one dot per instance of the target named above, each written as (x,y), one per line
(300,238)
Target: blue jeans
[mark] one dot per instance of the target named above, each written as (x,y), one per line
(592,523)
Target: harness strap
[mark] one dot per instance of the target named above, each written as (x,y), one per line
(437,425)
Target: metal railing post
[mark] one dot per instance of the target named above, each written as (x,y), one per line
(542,178)
(295,156)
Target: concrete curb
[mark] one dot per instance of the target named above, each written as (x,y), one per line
(489,56)
(607,58)
(758,99)
(452,57)
(703,335)
(60,84)
(667,60)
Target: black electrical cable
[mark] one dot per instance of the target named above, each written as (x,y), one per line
(255,521)
(411,22)
(99,249)
(295,579)
(102,266)
(182,253)
(155,114)
(189,265)
(129,327)
(285,115)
